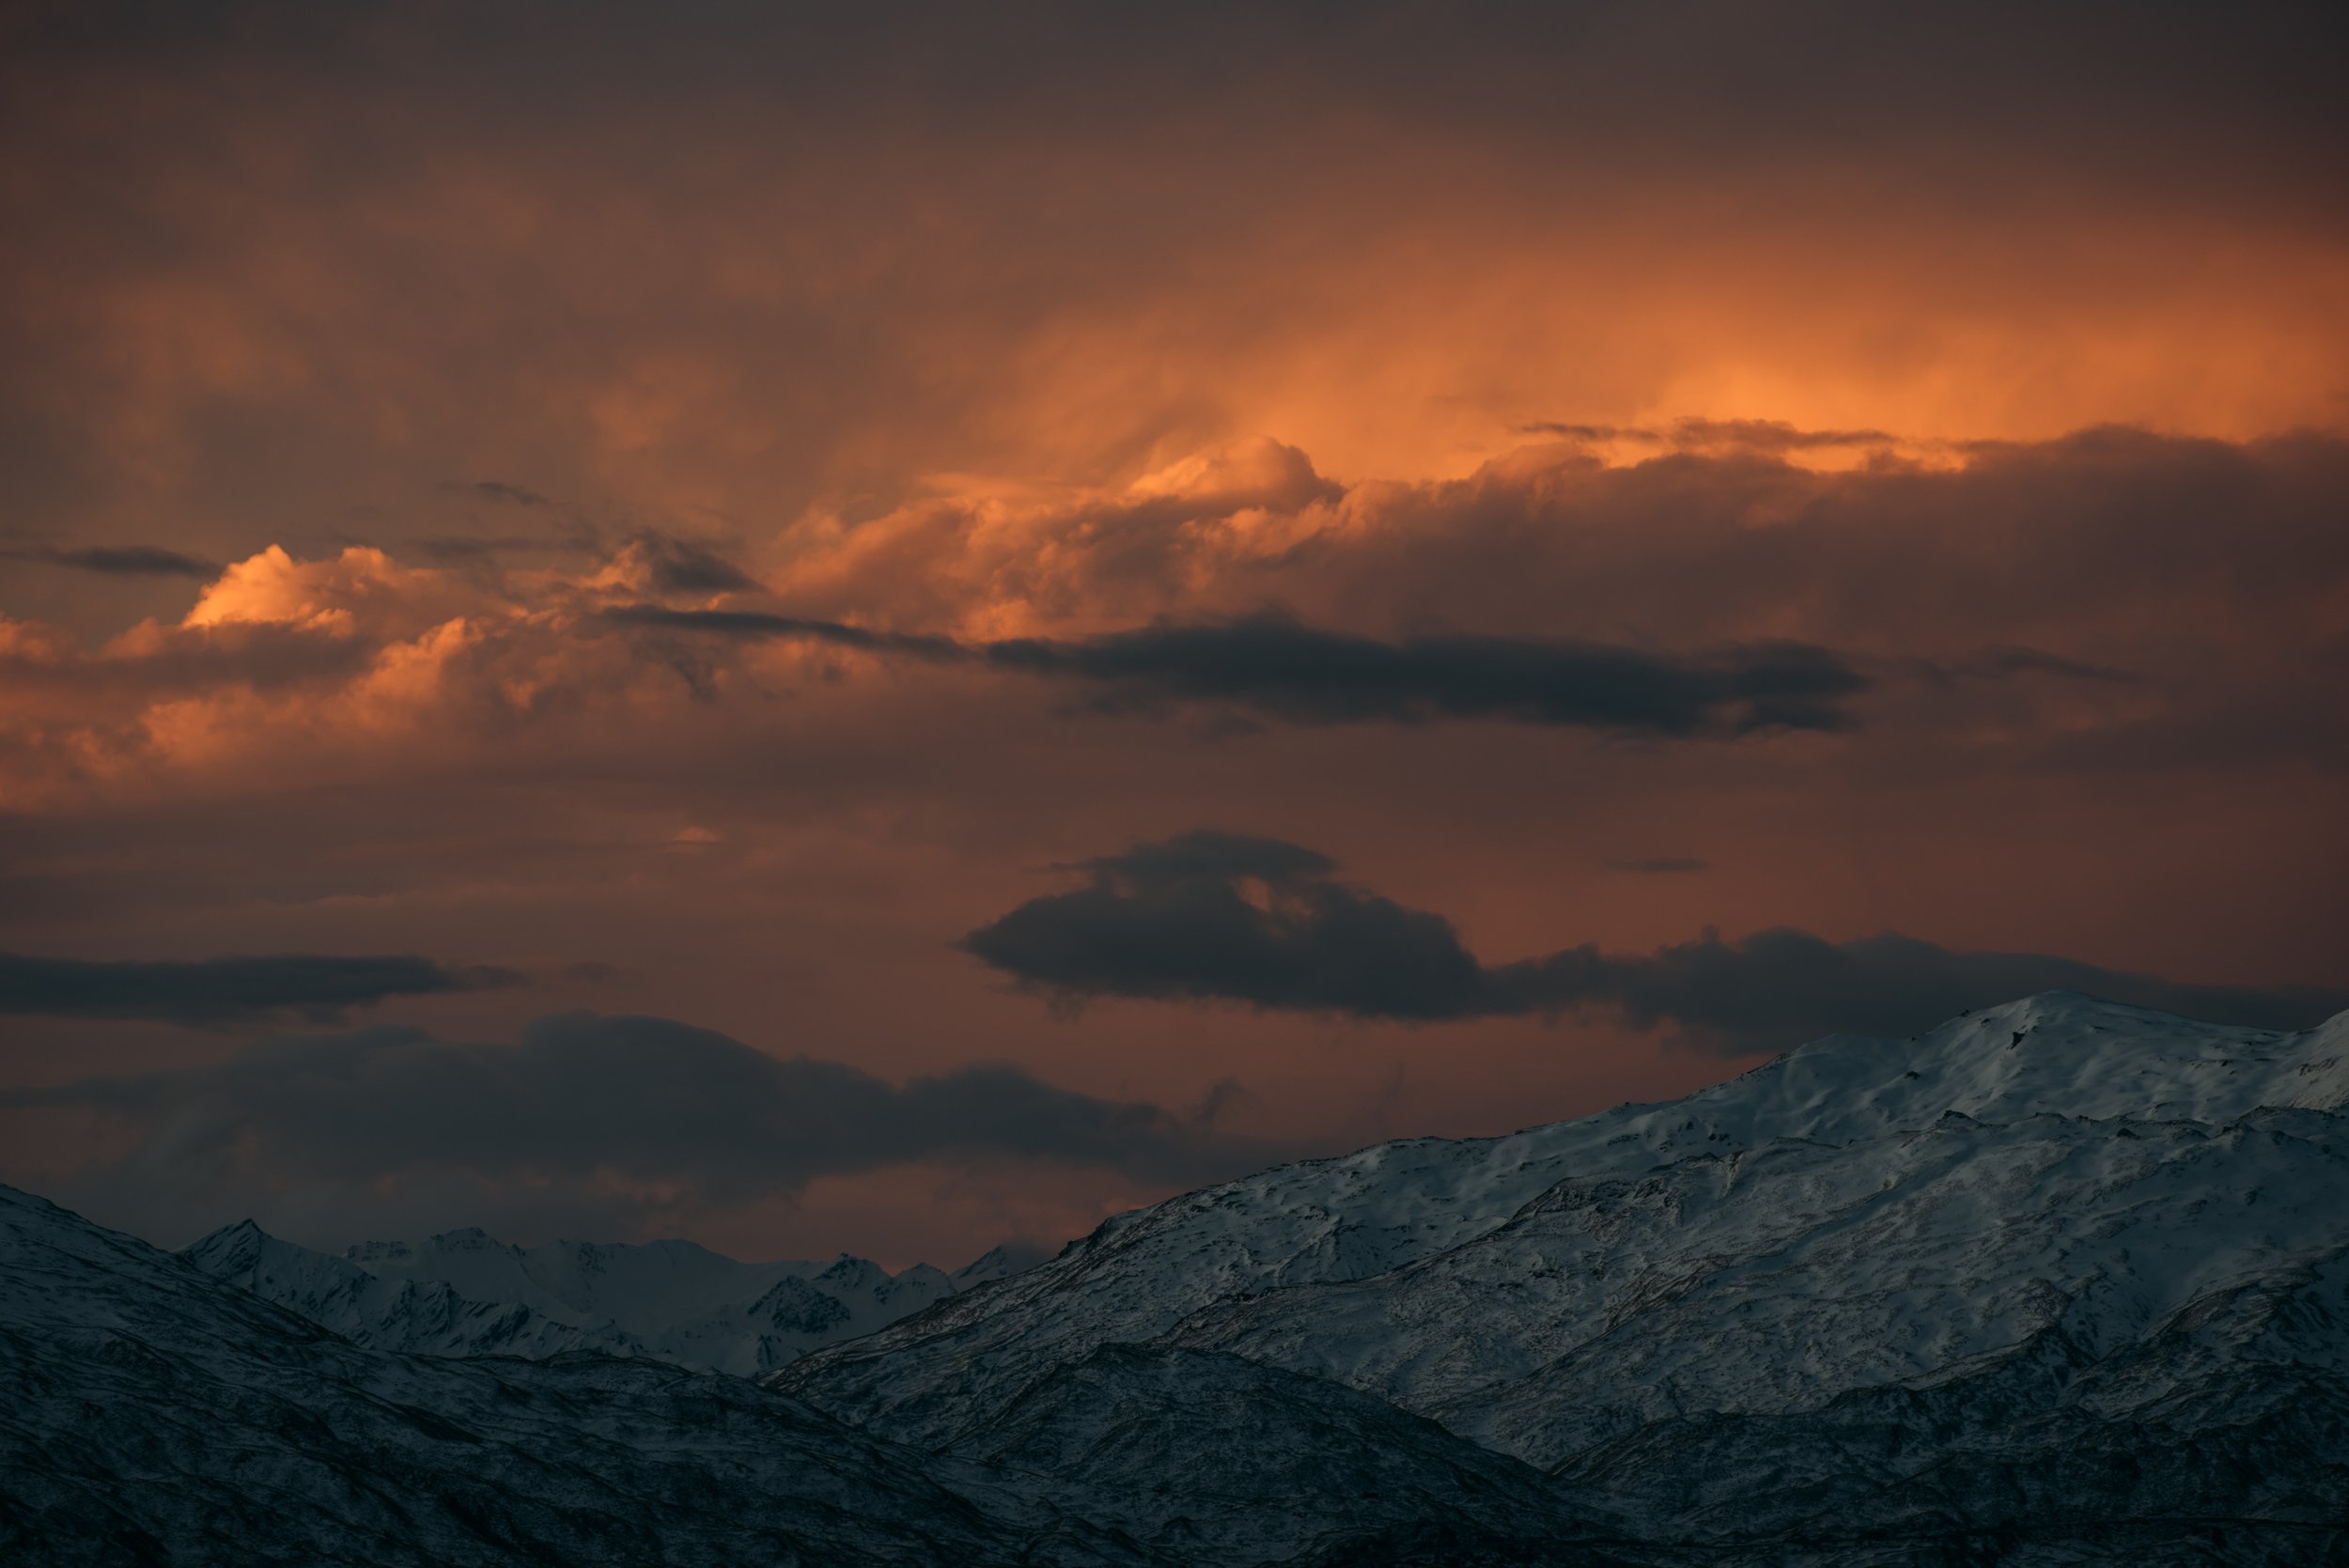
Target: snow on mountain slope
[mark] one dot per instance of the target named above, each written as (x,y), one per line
(2233,1410)
(1777,1279)
(465,1293)
(999,1263)
(2059,1052)
(1325,1223)
(425,1317)
(151,1413)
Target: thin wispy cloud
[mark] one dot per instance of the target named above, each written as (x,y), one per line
(116,560)
(220,992)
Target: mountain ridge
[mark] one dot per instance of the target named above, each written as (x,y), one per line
(1813,1268)
(153,1413)
(2057,1282)
(464,1293)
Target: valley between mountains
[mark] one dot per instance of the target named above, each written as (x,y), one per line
(2058,1282)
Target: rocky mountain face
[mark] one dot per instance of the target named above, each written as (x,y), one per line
(2048,1269)
(2059,1283)
(467,1294)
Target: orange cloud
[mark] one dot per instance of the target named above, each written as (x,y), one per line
(2078,593)
(332,595)
(235,315)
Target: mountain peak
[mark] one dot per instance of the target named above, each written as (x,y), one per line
(230,1251)
(470,1236)
(463,1292)
(2057,1052)
(1000,1262)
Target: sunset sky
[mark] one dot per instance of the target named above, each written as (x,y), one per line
(890,628)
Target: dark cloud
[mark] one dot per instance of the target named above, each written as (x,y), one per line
(680,567)
(2111,598)
(1271,667)
(1278,669)
(582,1100)
(1779,987)
(1659,864)
(1773,437)
(1583,433)
(219,991)
(1768,435)
(1251,919)
(761,624)
(120,560)
(1216,916)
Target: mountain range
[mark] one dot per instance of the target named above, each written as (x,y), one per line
(467,1294)
(2059,1281)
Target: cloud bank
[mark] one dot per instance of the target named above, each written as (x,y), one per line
(601,1117)
(1210,916)
(1800,594)
(212,992)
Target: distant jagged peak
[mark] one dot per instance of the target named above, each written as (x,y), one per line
(667,1254)
(792,1306)
(244,1254)
(923,1276)
(367,1255)
(232,1245)
(471,1238)
(1000,1262)
(246,1227)
(849,1272)
(464,1292)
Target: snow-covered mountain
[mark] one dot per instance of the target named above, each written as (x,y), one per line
(153,1414)
(2059,1283)
(2056,1228)
(467,1294)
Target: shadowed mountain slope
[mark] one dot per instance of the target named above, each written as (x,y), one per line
(151,1413)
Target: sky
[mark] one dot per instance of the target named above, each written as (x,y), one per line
(892,628)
